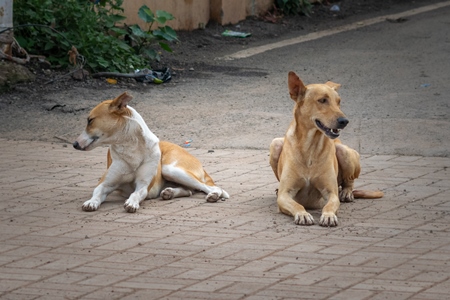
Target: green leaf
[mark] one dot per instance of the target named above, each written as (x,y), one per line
(165,47)
(116,18)
(102,62)
(166,33)
(48,45)
(124,46)
(152,54)
(137,31)
(146,14)
(163,16)
(161,20)
(66,44)
(119,31)
(22,41)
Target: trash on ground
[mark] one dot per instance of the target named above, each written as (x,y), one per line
(144,75)
(187,143)
(425,85)
(335,8)
(155,76)
(236,34)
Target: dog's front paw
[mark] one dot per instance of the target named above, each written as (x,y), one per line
(167,194)
(131,206)
(346,195)
(303,219)
(213,197)
(90,205)
(328,220)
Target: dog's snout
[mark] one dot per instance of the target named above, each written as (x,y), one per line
(342,122)
(76,145)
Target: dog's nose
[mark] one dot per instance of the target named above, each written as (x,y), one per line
(342,122)
(76,145)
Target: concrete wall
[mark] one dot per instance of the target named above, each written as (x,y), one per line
(228,11)
(189,14)
(258,7)
(193,14)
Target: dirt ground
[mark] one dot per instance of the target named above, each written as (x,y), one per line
(51,108)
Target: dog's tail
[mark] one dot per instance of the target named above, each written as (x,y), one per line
(367,194)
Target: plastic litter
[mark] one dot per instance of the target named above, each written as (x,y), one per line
(236,34)
(144,75)
(335,8)
(153,76)
(425,85)
(187,143)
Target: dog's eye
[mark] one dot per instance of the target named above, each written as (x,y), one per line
(323,100)
(90,120)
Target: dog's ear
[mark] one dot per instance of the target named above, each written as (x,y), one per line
(121,101)
(334,86)
(296,87)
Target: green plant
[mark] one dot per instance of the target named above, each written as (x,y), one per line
(292,7)
(90,26)
(143,40)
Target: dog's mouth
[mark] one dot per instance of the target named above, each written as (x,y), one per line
(87,147)
(329,132)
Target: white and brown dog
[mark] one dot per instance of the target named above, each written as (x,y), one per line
(137,162)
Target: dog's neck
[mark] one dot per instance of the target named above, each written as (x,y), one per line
(135,136)
(306,136)
(148,135)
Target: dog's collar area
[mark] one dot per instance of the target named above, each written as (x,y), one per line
(329,132)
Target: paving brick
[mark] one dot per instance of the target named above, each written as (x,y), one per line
(154,283)
(7,285)
(104,279)
(55,291)
(209,286)
(110,293)
(144,294)
(297,291)
(352,295)
(392,285)
(244,277)
(244,288)
(13,296)
(191,295)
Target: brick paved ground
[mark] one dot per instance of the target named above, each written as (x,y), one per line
(397,247)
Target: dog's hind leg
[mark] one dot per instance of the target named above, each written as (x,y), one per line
(194,179)
(275,150)
(175,192)
(349,169)
(213,192)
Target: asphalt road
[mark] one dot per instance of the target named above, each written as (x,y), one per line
(395,84)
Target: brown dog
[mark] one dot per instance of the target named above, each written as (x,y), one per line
(314,168)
